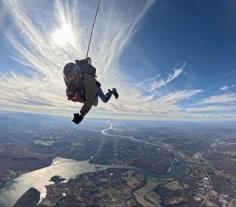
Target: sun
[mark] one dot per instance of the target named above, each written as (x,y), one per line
(63,35)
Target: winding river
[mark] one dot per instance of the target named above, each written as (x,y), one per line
(68,168)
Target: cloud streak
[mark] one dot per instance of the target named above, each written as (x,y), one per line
(220,99)
(219,104)
(212,108)
(225,87)
(39,85)
(154,83)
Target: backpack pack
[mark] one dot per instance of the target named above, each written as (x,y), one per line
(83,67)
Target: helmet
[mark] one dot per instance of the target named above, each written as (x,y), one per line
(69,69)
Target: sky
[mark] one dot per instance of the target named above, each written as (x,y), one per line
(168,59)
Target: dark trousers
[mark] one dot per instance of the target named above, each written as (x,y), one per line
(104,97)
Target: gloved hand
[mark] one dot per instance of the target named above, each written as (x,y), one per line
(77,118)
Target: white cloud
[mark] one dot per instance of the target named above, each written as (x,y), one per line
(223,88)
(43,60)
(211,108)
(147,80)
(39,87)
(219,104)
(220,99)
(165,104)
(178,96)
(153,83)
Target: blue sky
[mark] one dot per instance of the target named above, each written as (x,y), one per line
(168,59)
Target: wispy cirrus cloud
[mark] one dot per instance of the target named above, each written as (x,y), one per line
(223,88)
(178,96)
(218,103)
(38,83)
(148,80)
(42,60)
(167,104)
(211,108)
(226,87)
(220,99)
(153,83)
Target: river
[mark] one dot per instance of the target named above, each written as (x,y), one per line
(38,179)
(67,168)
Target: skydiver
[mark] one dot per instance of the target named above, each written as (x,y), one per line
(82,86)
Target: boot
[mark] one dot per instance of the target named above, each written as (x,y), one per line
(114,92)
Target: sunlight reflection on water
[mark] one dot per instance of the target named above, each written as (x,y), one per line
(38,179)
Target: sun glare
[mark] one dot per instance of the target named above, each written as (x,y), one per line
(63,35)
